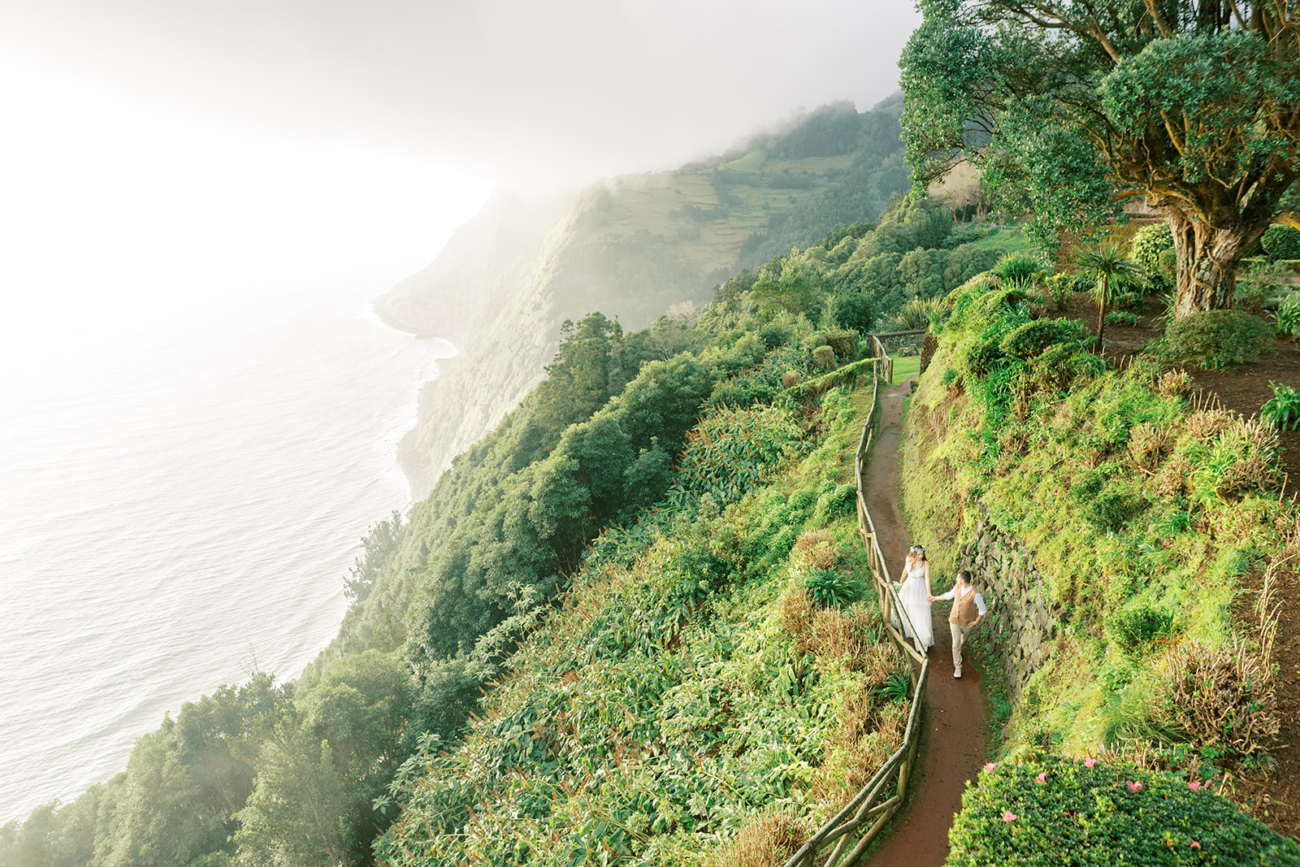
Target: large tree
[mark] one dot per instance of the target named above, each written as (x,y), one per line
(1073,107)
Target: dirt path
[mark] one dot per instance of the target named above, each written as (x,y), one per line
(954,746)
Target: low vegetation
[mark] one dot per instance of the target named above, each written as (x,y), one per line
(1044,808)
(629,625)
(1154,514)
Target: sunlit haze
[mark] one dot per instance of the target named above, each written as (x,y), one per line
(509,87)
(119,215)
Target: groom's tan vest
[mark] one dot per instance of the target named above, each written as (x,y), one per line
(964,611)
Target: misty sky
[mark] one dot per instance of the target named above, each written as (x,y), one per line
(164,156)
(501,87)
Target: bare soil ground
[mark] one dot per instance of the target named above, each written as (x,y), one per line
(955,744)
(1273,796)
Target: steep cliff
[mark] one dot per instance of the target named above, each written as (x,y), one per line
(631,247)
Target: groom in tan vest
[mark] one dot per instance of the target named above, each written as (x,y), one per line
(967,609)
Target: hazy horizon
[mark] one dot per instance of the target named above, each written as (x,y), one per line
(502,88)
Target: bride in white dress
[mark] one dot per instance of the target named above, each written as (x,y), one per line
(916,587)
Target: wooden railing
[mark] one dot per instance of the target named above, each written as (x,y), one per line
(874,802)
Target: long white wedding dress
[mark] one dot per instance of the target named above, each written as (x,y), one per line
(918,609)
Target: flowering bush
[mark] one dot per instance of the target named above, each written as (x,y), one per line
(1053,810)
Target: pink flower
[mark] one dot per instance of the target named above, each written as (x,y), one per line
(1195,845)
(1134,786)
(989,767)
(1041,778)
(1194,785)
(1009,816)
(1090,762)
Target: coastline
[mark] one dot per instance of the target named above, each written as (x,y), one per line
(418,476)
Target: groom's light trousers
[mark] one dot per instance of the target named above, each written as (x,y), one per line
(959,634)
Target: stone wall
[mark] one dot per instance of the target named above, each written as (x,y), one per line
(1021,624)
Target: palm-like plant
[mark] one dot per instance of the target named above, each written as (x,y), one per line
(1112,270)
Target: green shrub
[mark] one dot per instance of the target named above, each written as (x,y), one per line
(1015,267)
(1054,811)
(852,310)
(982,356)
(1123,318)
(1167,264)
(1216,339)
(1032,338)
(845,343)
(1282,242)
(774,334)
(1061,288)
(1112,509)
(838,502)
(1061,366)
(917,313)
(896,686)
(1147,245)
(1135,627)
(1282,410)
(1288,317)
(731,450)
(832,589)
(825,357)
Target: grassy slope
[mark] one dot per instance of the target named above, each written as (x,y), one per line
(688,703)
(1151,519)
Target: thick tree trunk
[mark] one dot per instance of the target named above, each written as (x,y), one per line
(1207,263)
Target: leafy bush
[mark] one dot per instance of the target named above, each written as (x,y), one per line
(845,343)
(1032,338)
(896,686)
(1015,267)
(825,357)
(1232,461)
(1112,508)
(1167,263)
(1282,242)
(1288,317)
(852,310)
(1135,627)
(1124,318)
(1282,410)
(982,356)
(1147,245)
(731,450)
(830,589)
(1061,287)
(1215,339)
(915,314)
(1052,810)
(773,334)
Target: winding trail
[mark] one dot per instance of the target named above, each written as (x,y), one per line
(955,742)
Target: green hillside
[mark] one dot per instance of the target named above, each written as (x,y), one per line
(630,626)
(680,440)
(634,247)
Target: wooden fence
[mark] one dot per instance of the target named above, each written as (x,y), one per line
(876,802)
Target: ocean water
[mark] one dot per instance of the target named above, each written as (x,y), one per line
(179,510)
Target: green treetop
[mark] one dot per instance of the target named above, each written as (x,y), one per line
(1073,107)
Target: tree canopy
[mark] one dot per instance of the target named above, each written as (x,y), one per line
(1073,107)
